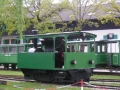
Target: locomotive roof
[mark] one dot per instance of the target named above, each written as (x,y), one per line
(70,35)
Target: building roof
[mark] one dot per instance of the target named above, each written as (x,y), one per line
(86,12)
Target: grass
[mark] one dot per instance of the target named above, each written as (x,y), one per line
(34,86)
(19,73)
(105,77)
(29,85)
(38,86)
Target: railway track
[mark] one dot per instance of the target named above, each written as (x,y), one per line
(103,87)
(107,73)
(105,80)
(11,78)
(88,85)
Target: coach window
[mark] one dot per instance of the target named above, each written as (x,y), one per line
(116,46)
(17,42)
(6,41)
(98,48)
(113,48)
(20,49)
(12,49)
(104,48)
(4,50)
(12,41)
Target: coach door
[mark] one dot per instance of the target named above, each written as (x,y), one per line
(102,53)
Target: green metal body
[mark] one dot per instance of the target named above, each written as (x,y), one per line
(46,60)
(81,58)
(8,59)
(116,59)
(101,58)
(42,60)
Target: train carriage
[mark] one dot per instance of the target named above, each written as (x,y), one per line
(8,54)
(54,61)
(106,51)
(109,53)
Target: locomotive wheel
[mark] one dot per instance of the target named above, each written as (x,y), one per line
(36,77)
(13,67)
(52,78)
(87,79)
(6,66)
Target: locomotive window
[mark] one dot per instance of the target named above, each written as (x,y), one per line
(98,50)
(13,50)
(71,48)
(83,48)
(21,49)
(4,50)
(92,47)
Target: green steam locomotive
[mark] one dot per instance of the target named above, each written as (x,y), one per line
(54,61)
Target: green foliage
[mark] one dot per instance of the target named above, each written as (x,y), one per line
(111,13)
(41,15)
(9,15)
(78,10)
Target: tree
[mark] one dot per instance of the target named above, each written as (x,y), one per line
(80,11)
(111,13)
(9,17)
(40,13)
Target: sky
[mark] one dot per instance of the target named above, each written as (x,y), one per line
(56,1)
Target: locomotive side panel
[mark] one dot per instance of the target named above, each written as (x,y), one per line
(83,60)
(39,60)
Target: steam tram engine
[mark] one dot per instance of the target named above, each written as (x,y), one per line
(54,61)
